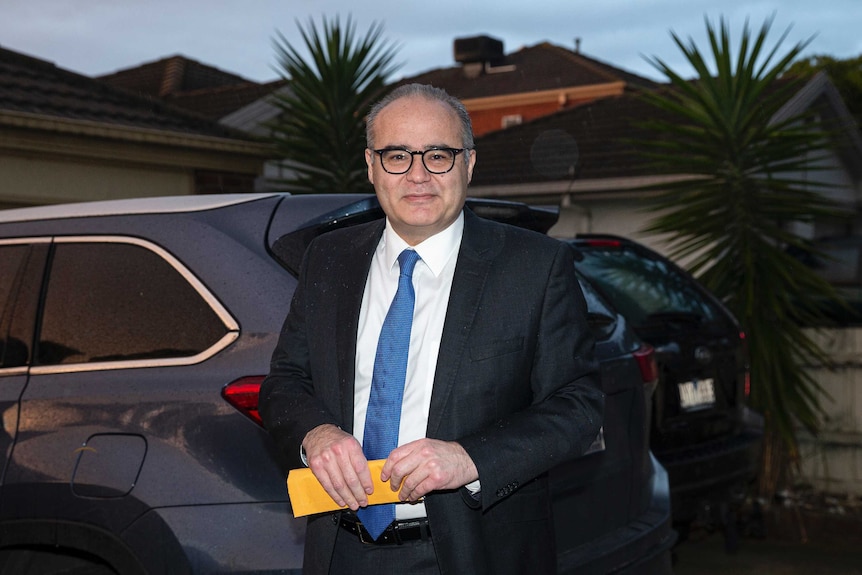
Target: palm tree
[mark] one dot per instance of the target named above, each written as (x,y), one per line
(320,131)
(752,181)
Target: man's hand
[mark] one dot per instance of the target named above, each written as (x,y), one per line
(426,465)
(336,459)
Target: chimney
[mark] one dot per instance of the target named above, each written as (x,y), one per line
(481,49)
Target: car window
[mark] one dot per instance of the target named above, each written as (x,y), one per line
(647,290)
(20,275)
(121,301)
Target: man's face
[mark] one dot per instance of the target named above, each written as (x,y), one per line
(418,203)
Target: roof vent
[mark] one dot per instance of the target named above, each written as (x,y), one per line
(478,49)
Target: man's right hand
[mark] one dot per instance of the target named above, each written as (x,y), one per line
(336,459)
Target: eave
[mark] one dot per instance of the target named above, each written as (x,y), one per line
(28,133)
(595,189)
(560,96)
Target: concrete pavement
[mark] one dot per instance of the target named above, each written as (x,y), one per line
(704,554)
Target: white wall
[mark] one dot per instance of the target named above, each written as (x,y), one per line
(622,218)
(832,461)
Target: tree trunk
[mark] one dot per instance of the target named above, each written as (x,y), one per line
(776,464)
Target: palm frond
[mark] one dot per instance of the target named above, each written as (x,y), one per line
(320,130)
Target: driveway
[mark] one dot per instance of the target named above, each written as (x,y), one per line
(703,554)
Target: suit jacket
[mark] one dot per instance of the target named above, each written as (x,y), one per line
(516,385)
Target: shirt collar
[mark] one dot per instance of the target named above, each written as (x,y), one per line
(434,251)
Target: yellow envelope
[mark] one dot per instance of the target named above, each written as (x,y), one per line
(307,495)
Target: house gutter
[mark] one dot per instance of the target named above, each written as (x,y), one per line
(559,95)
(594,189)
(22,123)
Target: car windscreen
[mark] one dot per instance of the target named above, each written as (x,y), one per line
(649,292)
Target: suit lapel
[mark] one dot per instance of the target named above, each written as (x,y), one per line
(350,287)
(479,245)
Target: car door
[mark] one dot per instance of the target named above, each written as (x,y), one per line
(102,395)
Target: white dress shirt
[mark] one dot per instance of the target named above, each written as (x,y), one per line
(432,282)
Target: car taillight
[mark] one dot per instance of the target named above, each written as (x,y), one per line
(597,243)
(243,394)
(645,356)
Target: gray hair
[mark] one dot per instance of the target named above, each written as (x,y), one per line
(430,93)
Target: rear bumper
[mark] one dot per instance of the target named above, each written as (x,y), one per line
(713,472)
(642,546)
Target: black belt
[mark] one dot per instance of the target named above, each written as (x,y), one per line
(397,533)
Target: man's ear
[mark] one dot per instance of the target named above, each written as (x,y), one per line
(369,161)
(471,163)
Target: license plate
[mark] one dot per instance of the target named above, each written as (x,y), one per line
(697,394)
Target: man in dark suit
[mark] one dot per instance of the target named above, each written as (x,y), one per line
(498,386)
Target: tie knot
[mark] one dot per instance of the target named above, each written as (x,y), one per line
(407,260)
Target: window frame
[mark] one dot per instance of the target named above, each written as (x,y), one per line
(230,323)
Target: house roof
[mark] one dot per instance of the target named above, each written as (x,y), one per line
(40,89)
(171,75)
(191,85)
(586,142)
(217,103)
(537,71)
(541,67)
(591,147)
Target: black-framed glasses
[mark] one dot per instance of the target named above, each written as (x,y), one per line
(400,160)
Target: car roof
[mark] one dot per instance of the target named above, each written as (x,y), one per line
(153,205)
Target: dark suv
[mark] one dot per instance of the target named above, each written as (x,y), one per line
(134,336)
(701,430)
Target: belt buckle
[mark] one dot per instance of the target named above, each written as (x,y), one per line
(361,532)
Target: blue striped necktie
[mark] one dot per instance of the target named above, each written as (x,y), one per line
(387,386)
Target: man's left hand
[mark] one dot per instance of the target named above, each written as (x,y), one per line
(427,465)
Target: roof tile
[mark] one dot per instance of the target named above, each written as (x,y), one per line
(543,66)
(186,83)
(35,86)
(541,150)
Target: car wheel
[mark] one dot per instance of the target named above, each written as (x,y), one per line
(42,561)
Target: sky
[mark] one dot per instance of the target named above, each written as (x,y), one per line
(95,37)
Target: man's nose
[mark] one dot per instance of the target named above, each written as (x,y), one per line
(418,172)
